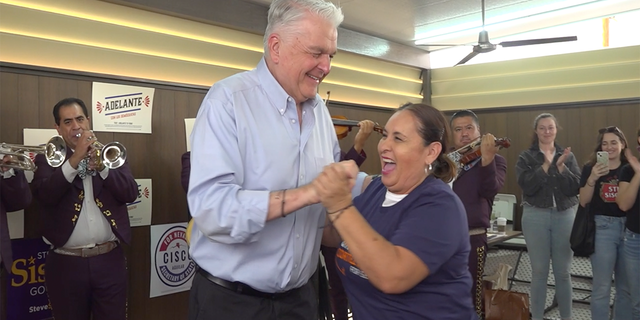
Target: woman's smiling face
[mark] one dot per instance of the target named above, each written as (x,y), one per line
(403,154)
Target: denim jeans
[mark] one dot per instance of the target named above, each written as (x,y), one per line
(631,254)
(606,261)
(546,232)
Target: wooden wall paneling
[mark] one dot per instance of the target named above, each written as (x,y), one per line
(519,131)
(181,111)
(161,156)
(588,120)
(9,104)
(139,264)
(195,99)
(496,124)
(627,119)
(49,96)
(27,103)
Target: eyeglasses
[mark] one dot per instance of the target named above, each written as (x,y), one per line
(610,129)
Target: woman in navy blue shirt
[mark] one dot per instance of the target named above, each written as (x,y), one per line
(403,244)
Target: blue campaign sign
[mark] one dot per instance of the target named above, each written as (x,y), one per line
(26,293)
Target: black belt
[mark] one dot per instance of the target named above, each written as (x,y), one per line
(242,288)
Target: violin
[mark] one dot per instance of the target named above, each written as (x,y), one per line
(343,126)
(472,151)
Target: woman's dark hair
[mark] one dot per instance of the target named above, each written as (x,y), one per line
(619,134)
(534,139)
(433,127)
(67,102)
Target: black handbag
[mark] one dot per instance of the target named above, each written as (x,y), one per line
(583,233)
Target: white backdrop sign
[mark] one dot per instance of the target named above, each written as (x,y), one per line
(118,108)
(140,209)
(172,269)
(188,127)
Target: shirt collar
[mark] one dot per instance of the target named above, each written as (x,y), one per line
(275,93)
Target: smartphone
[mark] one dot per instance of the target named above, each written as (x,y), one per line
(602,157)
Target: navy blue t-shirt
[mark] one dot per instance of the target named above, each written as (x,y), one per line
(430,222)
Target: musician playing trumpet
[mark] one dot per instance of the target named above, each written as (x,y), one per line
(84,217)
(14,195)
(477,184)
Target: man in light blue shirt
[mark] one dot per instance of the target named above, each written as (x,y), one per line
(259,139)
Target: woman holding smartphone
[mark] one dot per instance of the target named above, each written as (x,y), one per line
(599,189)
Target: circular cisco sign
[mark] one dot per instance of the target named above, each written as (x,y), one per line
(173,263)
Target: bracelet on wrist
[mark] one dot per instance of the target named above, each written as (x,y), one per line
(340,210)
(336,214)
(282,214)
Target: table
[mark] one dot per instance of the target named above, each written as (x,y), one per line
(494,238)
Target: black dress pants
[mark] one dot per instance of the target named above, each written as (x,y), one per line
(209,301)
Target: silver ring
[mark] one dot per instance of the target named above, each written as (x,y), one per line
(90,137)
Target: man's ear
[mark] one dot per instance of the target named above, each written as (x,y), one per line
(273,45)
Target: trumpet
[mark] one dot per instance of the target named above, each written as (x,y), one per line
(112,155)
(55,151)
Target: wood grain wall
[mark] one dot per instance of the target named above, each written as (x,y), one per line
(27,96)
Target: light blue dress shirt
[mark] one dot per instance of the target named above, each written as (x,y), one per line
(246,142)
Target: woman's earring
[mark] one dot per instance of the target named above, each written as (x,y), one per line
(428,169)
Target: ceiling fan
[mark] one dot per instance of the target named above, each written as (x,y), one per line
(484,45)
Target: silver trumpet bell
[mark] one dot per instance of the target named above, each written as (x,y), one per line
(112,154)
(55,152)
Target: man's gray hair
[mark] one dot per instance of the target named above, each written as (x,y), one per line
(285,13)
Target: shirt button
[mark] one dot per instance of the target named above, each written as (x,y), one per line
(281,110)
(289,99)
(295,265)
(297,236)
(293,121)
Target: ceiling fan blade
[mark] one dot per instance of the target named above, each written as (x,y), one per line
(467,58)
(517,43)
(442,45)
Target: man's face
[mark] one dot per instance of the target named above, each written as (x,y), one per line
(465,130)
(72,122)
(301,59)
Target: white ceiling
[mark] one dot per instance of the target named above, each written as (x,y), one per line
(403,21)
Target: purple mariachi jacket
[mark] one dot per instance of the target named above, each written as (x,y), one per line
(61,201)
(477,188)
(14,195)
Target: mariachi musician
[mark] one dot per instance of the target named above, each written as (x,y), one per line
(14,195)
(477,183)
(85,219)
